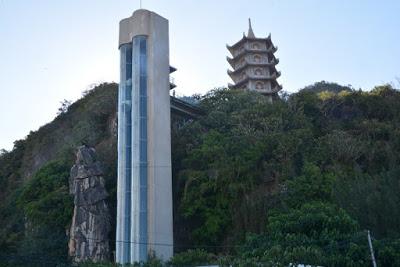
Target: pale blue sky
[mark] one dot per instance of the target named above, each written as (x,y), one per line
(53,50)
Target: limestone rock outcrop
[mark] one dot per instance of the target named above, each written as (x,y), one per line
(88,235)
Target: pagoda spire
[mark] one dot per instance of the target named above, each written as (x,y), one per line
(250,33)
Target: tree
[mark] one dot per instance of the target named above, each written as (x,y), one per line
(47,209)
(317,233)
(65,104)
(312,185)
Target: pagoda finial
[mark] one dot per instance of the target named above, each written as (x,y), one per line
(250,33)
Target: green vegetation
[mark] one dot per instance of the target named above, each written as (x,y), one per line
(40,212)
(255,184)
(294,182)
(35,206)
(192,257)
(323,86)
(45,199)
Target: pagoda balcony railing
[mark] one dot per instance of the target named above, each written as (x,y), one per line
(273,76)
(271,49)
(237,72)
(273,90)
(256,63)
(263,90)
(246,61)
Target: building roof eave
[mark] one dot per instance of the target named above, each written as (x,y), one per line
(249,64)
(231,74)
(172,69)
(246,38)
(253,51)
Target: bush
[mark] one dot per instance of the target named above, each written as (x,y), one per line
(192,257)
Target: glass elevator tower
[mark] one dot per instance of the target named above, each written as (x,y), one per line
(144,192)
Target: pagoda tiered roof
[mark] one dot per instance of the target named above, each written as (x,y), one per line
(248,77)
(270,50)
(248,63)
(275,89)
(254,64)
(245,38)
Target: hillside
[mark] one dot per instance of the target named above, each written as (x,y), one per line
(309,175)
(324,86)
(34,176)
(299,180)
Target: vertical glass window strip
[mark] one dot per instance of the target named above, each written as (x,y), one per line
(141,48)
(125,152)
(128,144)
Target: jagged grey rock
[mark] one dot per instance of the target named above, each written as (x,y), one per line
(88,236)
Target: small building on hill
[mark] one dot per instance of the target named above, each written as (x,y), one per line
(253,63)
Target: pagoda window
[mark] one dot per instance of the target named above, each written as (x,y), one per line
(259,85)
(258,72)
(257,58)
(256,46)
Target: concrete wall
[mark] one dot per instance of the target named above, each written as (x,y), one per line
(159,144)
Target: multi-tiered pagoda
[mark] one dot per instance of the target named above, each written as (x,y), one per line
(253,63)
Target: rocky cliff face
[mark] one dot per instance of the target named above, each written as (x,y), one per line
(88,236)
